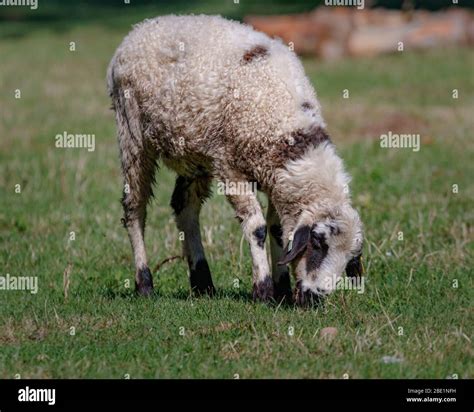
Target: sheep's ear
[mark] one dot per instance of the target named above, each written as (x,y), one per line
(297,245)
(354,267)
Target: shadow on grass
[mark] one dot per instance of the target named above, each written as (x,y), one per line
(111,292)
(238,295)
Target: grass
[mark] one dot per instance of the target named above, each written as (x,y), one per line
(409,282)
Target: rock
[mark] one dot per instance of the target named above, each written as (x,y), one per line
(334,32)
(328,333)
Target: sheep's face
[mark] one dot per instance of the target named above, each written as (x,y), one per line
(320,252)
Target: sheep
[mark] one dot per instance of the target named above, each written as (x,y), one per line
(212,99)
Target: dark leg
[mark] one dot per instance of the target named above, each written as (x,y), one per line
(188,197)
(280,274)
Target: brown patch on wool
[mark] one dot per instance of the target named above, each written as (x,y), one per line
(254,53)
(297,144)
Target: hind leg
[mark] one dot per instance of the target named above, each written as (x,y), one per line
(138,160)
(138,180)
(188,196)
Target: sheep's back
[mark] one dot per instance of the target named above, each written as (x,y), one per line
(213,82)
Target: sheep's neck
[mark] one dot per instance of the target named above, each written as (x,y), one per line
(314,184)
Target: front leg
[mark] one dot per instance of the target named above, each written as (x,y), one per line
(249,213)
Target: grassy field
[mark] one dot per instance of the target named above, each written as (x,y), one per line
(411,309)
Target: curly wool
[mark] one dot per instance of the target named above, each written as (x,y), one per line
(202,93)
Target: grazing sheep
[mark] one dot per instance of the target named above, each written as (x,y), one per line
(212,98)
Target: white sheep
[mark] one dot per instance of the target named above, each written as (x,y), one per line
(212,98)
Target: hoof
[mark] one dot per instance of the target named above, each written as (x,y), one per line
(263,291)
(282,289)
(144,282)
(285,296)
(201,280)
(207,291)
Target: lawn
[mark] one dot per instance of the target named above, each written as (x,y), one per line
(417,305)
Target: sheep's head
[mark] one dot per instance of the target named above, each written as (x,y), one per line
(320,249)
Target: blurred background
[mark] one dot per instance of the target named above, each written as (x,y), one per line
(324,31)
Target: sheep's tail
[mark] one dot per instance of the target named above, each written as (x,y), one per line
(127,116)
(137,158)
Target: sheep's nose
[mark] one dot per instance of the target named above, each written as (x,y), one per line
(307,298)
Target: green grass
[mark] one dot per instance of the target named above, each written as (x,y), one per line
(409,282)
